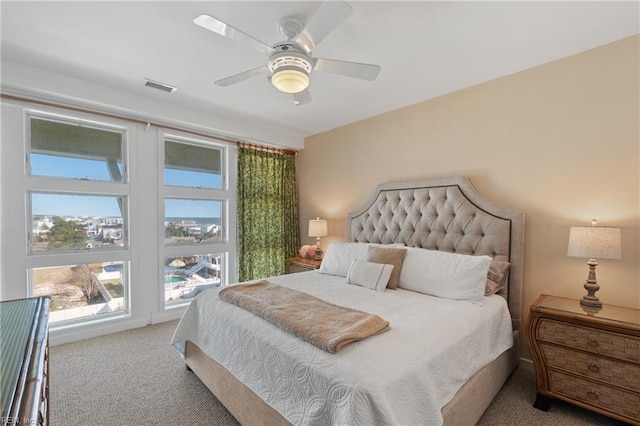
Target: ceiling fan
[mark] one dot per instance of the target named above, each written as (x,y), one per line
(290,62)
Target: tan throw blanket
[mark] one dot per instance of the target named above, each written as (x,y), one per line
(313,320)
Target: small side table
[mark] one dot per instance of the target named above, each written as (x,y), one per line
(590,358)
(299,264)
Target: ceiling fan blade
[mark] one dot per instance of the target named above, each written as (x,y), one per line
(350,69)
(302,98)
(329,15)
(217,26)
(228,81)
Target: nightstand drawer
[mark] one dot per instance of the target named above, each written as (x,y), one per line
(590,339)
(595,394)
(299,264)
(293,268)
(617,373)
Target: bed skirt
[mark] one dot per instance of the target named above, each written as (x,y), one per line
(465,408)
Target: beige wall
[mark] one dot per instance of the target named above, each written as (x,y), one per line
(559,142)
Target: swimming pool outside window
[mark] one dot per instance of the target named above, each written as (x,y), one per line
(187,276)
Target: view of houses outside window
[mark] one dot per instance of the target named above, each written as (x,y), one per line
(55,230)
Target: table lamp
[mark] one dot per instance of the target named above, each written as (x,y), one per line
(318,228)
(593,242)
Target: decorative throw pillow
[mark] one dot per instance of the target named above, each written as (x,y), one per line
(368,274)
(443,274)
(389,256)
(337,259)
(497,277)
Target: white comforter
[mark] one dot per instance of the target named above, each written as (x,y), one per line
(403,376)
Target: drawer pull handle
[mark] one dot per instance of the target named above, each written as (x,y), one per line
(593,343)
(592,395)
(593,368)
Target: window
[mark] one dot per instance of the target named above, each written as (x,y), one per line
(120,223)
(62,222)
(186,276)
(81,291)
(77,205)
(192,165)
(196,199)
(189,221)
(76,150)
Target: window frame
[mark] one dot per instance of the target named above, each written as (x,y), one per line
(75,186)
(200,144)
(226,195)
(81,122)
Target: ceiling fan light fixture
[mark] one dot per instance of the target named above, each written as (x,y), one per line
(290,80)
(291,61)
(290,69)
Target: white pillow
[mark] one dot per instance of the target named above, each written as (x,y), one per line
(337,259)
(443,274)
(368,274)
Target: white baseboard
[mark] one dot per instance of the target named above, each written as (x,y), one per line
(526,364)
(62,335)
(168,315)
(59,335)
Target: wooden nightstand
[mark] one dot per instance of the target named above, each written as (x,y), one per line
(590,359)
(299,264)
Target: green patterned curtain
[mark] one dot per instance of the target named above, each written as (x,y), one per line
(267,212)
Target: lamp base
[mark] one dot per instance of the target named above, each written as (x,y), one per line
(317,255)
(591,310)
(591,285)
(591,302)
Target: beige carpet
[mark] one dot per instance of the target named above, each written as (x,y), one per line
(137,378)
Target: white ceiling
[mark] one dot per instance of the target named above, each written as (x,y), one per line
(426,49)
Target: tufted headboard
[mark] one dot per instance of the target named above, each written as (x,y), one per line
(445,214)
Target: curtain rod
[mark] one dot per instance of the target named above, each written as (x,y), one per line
(266,148)
(148,122)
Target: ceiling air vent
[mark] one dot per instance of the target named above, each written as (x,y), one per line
(160,86)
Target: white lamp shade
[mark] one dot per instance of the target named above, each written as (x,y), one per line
(596,242)
(318,228)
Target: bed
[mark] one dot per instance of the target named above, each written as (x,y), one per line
(382,379)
